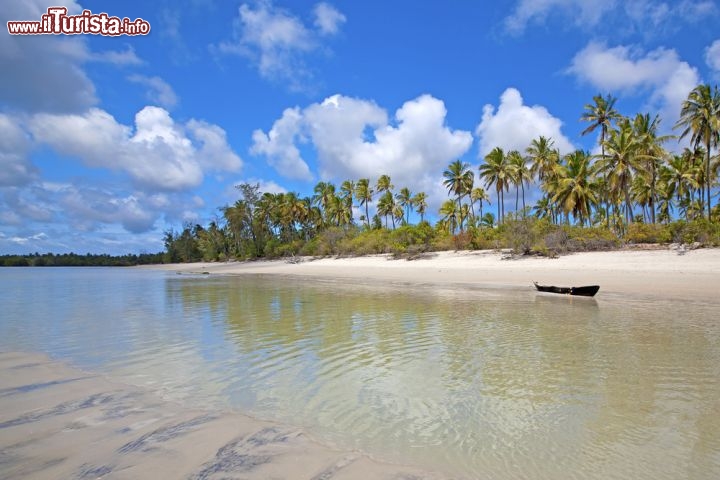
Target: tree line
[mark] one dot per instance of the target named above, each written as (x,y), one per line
(78,260)
(635,180)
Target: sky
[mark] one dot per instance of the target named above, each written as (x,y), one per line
(108,141)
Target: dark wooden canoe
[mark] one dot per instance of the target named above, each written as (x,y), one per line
(586,291)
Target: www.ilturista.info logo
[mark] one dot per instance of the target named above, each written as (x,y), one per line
(57,22)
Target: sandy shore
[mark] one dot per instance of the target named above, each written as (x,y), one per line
(60,422)
(667,273)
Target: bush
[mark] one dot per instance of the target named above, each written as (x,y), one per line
(648,233)
(698,230)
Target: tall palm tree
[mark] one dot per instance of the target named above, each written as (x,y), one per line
(700,115)
(458,181)
(420,203)
(680,178)
(575,193)
(324,196)
(496,171)
(449,214)
(650,153)
(386,206)
(348,189)
(363,193)
(619,163)
(384,184)
(520,175)
(543,157)
(600,114)
(478,194)
(405,200)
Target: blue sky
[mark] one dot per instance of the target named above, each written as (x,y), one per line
(105,142)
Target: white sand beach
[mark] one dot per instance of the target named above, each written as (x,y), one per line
(669,273)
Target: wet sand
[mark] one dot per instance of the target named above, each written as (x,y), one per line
(665,273)
(59,422)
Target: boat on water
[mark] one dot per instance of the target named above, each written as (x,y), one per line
(585,291)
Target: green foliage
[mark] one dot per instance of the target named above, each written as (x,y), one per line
(699,230)
(648,233)
(75,260)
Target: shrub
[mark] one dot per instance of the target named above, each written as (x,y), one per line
(648,233)
(698,230)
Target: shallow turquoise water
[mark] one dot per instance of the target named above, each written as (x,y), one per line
(475,383)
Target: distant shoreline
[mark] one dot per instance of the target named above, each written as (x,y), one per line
(667,273)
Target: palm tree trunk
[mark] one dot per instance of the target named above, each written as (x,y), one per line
(707,176)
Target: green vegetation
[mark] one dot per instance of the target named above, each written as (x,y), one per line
(75,260)
(634,191)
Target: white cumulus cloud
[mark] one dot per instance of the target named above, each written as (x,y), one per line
(158,153)
(278,146)
(660,72)
(514,125)
(354,138)
(712,56)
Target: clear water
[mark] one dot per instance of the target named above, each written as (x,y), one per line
(473,383)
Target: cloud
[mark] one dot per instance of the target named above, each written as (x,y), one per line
(628,69)
(355,138)
(44,73)
(15,166)
(159,91)
(82,218)
(117,57)
(278,42)
(712,56)
(646,17)
(584,12)
(515,125)
(278,146)
(328,19)
(158,153)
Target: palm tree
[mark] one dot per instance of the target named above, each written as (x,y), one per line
(575,193)
(348,189)
(520,175)
(363,192)
(386,206)
(542,157)
(450,213)
(619,163)
(384,184)
(324,196)
(700,115)
(459,181)
(543,208)
(680,178)
(496,171)
(478,194)
(405,200)
(651,153)
(420,203)
(601,114)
